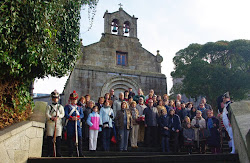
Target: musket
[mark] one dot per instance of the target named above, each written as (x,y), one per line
(54,139)
(77,150)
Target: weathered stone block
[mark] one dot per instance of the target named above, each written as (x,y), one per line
(31,132)
(4,135)
(11,153)
(21,156)
(25,143)
(39,112)
(13,142)
(39,132)
(21,127)
(35,147)
(3,153)
(38,124)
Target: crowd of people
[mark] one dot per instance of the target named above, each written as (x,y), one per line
(135,120)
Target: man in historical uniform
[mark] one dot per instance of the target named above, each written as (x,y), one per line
(54,114)
(74,114)
(226,117)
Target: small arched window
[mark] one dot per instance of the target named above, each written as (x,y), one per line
(126,28)
(114,26)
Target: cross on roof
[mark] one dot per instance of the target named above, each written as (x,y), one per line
(120,5)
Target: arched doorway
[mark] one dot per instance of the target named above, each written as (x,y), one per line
(120,84)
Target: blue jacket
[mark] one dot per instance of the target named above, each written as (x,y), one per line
(174,122)
(183,113)
(167,108)
(163,122)
(105,113)
(71,123)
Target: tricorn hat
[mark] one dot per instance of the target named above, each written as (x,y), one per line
(74,95)
(54,94)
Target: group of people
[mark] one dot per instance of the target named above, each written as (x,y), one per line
(150,120)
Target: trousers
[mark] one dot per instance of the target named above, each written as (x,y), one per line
(93,134)
(134,135)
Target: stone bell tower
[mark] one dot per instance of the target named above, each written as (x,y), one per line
(120,23)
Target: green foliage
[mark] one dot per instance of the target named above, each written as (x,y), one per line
(38,38)
(214,68)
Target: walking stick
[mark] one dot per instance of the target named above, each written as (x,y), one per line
(77,150)
(54,138)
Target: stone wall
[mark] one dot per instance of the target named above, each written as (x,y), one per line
(103,54)
(21,141)
(241,125)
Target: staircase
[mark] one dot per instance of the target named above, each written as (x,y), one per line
(141,154)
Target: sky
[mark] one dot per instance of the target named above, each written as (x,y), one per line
(168,26)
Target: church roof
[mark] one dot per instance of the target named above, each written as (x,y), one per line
(120,10)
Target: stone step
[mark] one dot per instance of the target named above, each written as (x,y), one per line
(132,157)
(113,148)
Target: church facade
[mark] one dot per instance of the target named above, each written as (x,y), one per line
(118,61)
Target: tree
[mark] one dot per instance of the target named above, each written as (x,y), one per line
(214,68)
(38,38)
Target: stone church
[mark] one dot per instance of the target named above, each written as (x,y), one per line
(118,61)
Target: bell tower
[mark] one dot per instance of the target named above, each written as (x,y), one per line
(120,23)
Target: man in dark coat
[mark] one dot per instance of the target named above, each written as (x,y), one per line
(165,133)
(151,122)
(175,127)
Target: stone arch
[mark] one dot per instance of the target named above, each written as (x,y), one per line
(126,28)
(119,84)
(115,26)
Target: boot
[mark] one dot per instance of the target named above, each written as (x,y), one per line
(70,145)
(50,146)
(80,146)
(58,146)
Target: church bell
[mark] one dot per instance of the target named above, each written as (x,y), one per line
(126,29)
(114,28)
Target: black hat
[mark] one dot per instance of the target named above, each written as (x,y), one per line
(54,94)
